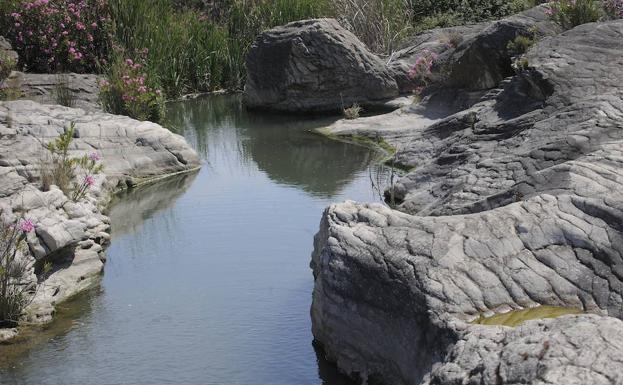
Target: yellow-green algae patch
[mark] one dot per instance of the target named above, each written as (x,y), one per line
(517,317)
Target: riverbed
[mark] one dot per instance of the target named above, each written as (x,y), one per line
(208,278)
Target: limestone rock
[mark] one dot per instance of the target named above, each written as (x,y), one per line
(513,203)
(72,235)
(312,66)
(81,90)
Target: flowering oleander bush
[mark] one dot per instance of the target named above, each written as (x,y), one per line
(128,91)
(571,13)
(58,35)
(614,8)
(74,176)
(13,266)
(422,70)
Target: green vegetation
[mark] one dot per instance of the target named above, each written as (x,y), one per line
(520,45)
(62,93)
(353,111)
(187,46)
(571,13)
(14,287)
(517,317)
(7,65)
(62,170)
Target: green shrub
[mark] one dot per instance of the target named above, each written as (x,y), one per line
(520,45)
(571,13)
(130,91)
(7,64)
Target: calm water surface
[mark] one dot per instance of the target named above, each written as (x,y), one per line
(208,278)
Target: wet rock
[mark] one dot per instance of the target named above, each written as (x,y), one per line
(513,203)
(313,66)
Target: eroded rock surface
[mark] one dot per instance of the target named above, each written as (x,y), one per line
(512,203)
(72,236)
(75,90)
(312,66)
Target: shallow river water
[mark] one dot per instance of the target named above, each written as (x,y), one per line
(208,278)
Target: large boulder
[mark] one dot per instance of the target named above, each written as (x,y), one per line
(511,204)
(313,66)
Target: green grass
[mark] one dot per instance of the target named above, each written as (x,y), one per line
(187,52)
(517,317)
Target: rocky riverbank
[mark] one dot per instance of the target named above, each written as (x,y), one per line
(513,201)
(72,236)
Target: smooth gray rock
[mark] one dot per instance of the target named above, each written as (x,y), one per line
(313,66)
(513,203)
(83,89)
(73,235)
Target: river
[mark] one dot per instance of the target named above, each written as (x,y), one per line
(208,278)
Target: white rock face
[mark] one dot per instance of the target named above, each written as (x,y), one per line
(512,203)
(72,236)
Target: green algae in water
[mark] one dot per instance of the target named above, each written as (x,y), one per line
(517,317)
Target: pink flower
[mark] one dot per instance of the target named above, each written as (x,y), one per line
(94,156)
(89,180)
(27,226)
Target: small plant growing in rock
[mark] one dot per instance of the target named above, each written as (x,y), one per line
(13,268)
(452,39)
(128,92)
(64,169)
(62,93)
(521,64)
(353,111)
(571,13)
(7,64)
(422,71)
(520,45)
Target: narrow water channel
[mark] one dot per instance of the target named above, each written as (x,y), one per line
(208,279)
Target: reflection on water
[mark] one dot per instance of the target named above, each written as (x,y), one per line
(208,279)
(281,145)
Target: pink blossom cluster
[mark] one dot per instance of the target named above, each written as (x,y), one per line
(27,226)
(69,35)
(614,8)
(132,85)
(422,69)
